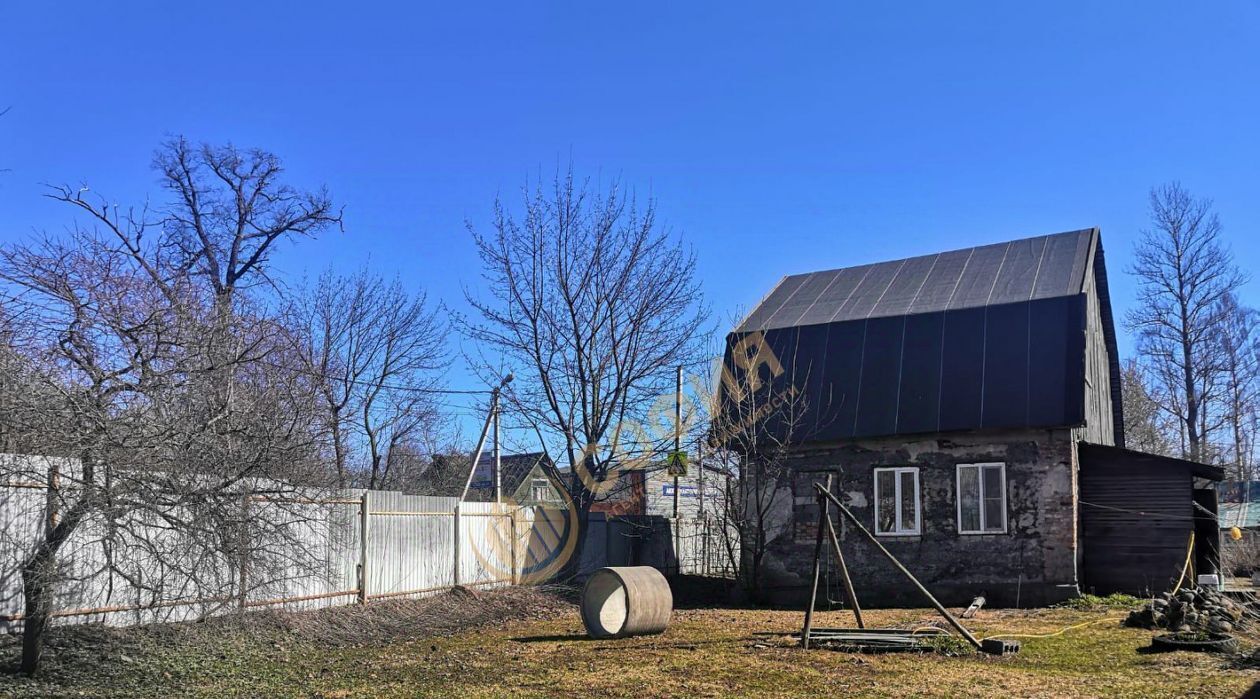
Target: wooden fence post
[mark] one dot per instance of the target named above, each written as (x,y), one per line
(364,518)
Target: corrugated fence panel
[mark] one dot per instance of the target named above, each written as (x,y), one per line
(486,541)
(21,520)
(411,541)
(594,552)
(147,576)
(547,542)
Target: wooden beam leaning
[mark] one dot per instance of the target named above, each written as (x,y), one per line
(939,607)
(813,590)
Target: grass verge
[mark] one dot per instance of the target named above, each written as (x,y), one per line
(541,652)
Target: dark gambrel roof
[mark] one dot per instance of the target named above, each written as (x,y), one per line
(981,338)
(1020,270)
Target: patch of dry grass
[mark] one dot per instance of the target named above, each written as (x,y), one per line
(712,653)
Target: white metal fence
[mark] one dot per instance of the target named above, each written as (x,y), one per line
(357,546)
(399,546)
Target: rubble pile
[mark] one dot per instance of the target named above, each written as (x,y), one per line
(1191,609)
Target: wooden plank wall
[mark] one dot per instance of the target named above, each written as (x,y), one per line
(1135,525)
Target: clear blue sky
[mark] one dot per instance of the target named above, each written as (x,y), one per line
(776,141)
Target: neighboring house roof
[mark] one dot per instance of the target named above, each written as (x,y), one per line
(1243,515)
(515,469)
(984,337)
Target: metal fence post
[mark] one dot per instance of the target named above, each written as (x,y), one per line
(455,576)
(244,554)
(515,542)
(364,518)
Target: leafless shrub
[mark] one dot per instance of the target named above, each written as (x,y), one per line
(760,414)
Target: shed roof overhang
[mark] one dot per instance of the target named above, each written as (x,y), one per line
(1139,460)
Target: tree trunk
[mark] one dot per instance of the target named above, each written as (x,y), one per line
(39,578)
(374,481)
(1192,400)
(339,450)
(37,594)
(581,502)
(1236,419)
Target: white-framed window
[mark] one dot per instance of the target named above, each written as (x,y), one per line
(897,501)
(982,498)
(540,490)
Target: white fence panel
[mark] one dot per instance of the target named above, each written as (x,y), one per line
(21,520)
(412,548)
(486,543)
(411,542)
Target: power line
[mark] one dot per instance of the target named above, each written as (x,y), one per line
(391,386)
(1152,515)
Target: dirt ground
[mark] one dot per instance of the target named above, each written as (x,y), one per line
(525,642)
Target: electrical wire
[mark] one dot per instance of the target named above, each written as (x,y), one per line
(1060,632)
(1153,515)
(391,386)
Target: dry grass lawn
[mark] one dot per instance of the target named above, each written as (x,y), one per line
(705,653)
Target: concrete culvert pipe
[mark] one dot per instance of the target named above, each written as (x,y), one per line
(631,601)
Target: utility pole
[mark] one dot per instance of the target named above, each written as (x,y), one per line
(677,433)
(677,455)
(498,461)
(476,459)
(485,429)
(702,521)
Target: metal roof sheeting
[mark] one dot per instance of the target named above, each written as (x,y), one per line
(1020,270)
(986,337)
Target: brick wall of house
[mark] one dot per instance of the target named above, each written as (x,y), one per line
(1032,563)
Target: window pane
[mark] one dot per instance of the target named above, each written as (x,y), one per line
(968,499)
(909,505)
(885,497)
(994,516)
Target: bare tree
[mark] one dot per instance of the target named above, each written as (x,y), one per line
(1183,273)
(1239,347)
(593,305)
(227,212)
(375,351)
(129,327)
(20,387)
(1148,427)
